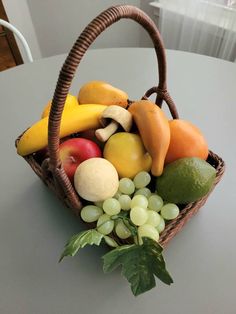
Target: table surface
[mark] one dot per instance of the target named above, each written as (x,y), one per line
(34,225)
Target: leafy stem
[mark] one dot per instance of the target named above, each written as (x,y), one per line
(140,263)
(80,240)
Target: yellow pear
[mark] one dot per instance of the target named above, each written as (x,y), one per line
(99,92)
(127,154)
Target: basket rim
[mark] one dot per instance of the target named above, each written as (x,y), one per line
(172,227)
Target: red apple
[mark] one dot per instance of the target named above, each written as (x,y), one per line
(74,151)
(90,135)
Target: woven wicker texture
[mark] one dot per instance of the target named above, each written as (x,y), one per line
(51,171)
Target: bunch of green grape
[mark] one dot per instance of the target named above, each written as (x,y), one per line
(145,210)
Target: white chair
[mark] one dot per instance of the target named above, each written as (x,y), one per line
(20,36)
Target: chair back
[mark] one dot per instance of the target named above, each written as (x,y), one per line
(20,36)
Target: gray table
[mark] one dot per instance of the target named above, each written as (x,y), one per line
(34,225)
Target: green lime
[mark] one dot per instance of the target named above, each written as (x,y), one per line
(186,180)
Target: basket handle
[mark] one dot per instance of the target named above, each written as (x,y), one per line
(90,33)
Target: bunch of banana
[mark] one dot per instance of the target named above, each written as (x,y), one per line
(79,119)
(78,115)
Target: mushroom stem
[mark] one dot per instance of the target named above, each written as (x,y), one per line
(104,134)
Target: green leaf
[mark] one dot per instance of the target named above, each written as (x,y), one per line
(140,264)
(128,223)
(80,240)
(132,228)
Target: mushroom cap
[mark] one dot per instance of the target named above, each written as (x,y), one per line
(118,114)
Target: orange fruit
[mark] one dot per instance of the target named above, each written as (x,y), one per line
(186,140)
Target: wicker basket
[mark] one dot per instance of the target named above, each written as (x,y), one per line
(51,170)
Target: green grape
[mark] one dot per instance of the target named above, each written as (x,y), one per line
(144,191)
(126,186)
(125,202)
(111,206)
(117,195)
(153,218)
(170,211)
(142,179)
(104,224)
(140,201)
(91,213)
(148,231)
(122,231)
(138,215)
(99,204)
(161,225)
(109,241)
(155,202)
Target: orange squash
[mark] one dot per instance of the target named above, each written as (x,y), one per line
(154,130)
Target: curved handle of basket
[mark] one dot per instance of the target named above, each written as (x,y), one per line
(90,33)
(163,94)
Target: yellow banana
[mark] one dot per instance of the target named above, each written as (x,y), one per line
(71,101)
(79,119)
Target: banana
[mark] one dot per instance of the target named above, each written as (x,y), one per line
(71,101)
(79,119)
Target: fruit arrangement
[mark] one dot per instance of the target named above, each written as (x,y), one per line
(134,170)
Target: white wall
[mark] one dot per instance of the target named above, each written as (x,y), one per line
(19,15)
(213,34)
(145,40)
(59,22)
(52,26)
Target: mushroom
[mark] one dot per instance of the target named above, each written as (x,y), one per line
(116,115)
